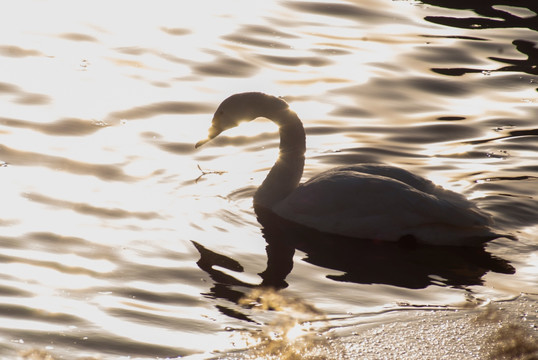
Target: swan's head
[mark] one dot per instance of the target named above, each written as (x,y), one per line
(242,107)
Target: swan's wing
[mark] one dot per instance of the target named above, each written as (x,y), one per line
(415,181)
(357,204)
(463,212)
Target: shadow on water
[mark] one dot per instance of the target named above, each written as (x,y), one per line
(359,261)
(493,15)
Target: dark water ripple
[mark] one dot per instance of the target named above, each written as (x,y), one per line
(78,37)
(18,52)
(176,31)
(87,209)
(295,61)
(27,158)
(226,66)
(23,97)
(61,127)
(490,17)
(161,108)
(352,11)
(243,38)
(434,133)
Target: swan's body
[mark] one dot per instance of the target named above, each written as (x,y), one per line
(366,201)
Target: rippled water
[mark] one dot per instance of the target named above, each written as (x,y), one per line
(119,239)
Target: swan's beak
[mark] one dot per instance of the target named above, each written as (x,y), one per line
(213,133)
(201,142)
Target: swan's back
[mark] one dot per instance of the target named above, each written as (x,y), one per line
(385,203)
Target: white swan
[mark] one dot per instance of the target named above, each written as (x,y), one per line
(366,201)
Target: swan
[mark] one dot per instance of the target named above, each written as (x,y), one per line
(364,201)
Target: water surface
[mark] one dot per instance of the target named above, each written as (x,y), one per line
(119,239)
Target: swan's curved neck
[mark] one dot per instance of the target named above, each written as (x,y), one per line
(286,173)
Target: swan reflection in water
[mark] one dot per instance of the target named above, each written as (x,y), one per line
(407,265)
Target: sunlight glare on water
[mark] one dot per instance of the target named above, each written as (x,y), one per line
(119,239)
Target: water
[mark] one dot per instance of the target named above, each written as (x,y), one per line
(120,240)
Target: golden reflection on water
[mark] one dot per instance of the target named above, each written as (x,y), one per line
(104,195)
